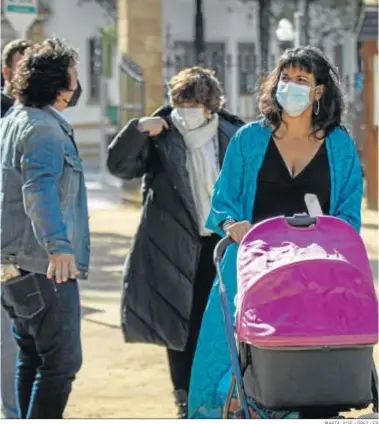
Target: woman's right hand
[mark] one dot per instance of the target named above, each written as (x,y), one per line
(153,125)
(238,230)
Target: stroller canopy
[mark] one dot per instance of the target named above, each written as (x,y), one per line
(302,287)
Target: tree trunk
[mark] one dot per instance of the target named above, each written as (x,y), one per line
(306,22)
(199,34)
(264,34)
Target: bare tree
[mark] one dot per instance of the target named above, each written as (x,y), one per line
(264,12)
(325,18)
(306,22)
(264,33)
(110,6)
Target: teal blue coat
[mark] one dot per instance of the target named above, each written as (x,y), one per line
(233,197)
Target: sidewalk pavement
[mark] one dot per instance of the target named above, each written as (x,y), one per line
(121,380)
(117,380)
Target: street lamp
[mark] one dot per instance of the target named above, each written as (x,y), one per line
(285,34)
(288,34)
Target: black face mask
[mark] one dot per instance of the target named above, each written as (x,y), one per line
(75,96)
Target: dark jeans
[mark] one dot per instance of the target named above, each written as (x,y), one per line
(181,362)
(8,364)
(46,327)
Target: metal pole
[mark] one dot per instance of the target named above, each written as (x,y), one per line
(103,103)
(143,98)
(298,29)
(199,33)
(103,151)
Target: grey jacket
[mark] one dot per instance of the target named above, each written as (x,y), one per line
(43,195)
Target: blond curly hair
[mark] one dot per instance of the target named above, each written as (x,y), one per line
(198,85)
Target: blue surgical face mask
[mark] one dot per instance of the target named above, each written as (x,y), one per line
(294,98)
(190,117)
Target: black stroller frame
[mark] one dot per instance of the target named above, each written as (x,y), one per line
(237,380)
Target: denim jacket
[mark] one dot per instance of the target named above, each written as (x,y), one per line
(43,195)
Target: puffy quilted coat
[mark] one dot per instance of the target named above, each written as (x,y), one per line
(160,269)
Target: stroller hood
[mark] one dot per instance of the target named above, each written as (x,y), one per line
(305,287)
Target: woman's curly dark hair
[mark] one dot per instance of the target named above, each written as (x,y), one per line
(198,85)
(43,73)
(311,60)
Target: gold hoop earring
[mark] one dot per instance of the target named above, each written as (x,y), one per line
(317,111)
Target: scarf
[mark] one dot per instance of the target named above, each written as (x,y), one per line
(202,164)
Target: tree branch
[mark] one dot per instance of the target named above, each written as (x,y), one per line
(108,5)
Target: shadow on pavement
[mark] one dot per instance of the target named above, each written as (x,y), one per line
(108,253)
(104,324)
(374,267)
(85,311)
(370,226)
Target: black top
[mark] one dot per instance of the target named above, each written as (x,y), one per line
(278,193)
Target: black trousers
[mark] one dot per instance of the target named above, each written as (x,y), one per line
(181,362)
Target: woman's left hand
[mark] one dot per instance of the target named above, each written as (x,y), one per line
(238,230)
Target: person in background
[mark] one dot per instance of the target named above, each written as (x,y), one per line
(299,147)
(11,56)
(44,229)
(168,275)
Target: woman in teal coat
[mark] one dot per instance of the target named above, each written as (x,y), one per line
(299,147)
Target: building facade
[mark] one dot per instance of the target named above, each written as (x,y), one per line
(233,40)
(368,37)
(158,35)
(79,26)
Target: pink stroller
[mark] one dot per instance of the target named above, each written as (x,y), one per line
(306,317)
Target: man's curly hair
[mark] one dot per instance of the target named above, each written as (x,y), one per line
(12,48)
(198,85)
(43,73)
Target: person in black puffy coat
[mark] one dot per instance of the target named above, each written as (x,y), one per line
(169,272)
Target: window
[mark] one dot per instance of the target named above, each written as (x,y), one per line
(94,70)
(247,75)
(214,57)
(183,56)
(247,67)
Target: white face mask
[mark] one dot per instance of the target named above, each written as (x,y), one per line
(294,98)
(190,117)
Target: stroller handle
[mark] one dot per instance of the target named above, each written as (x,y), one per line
(220,248)
(301,220)
(294,221)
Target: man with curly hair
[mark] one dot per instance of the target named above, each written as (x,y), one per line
(11,56)
(45,231)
